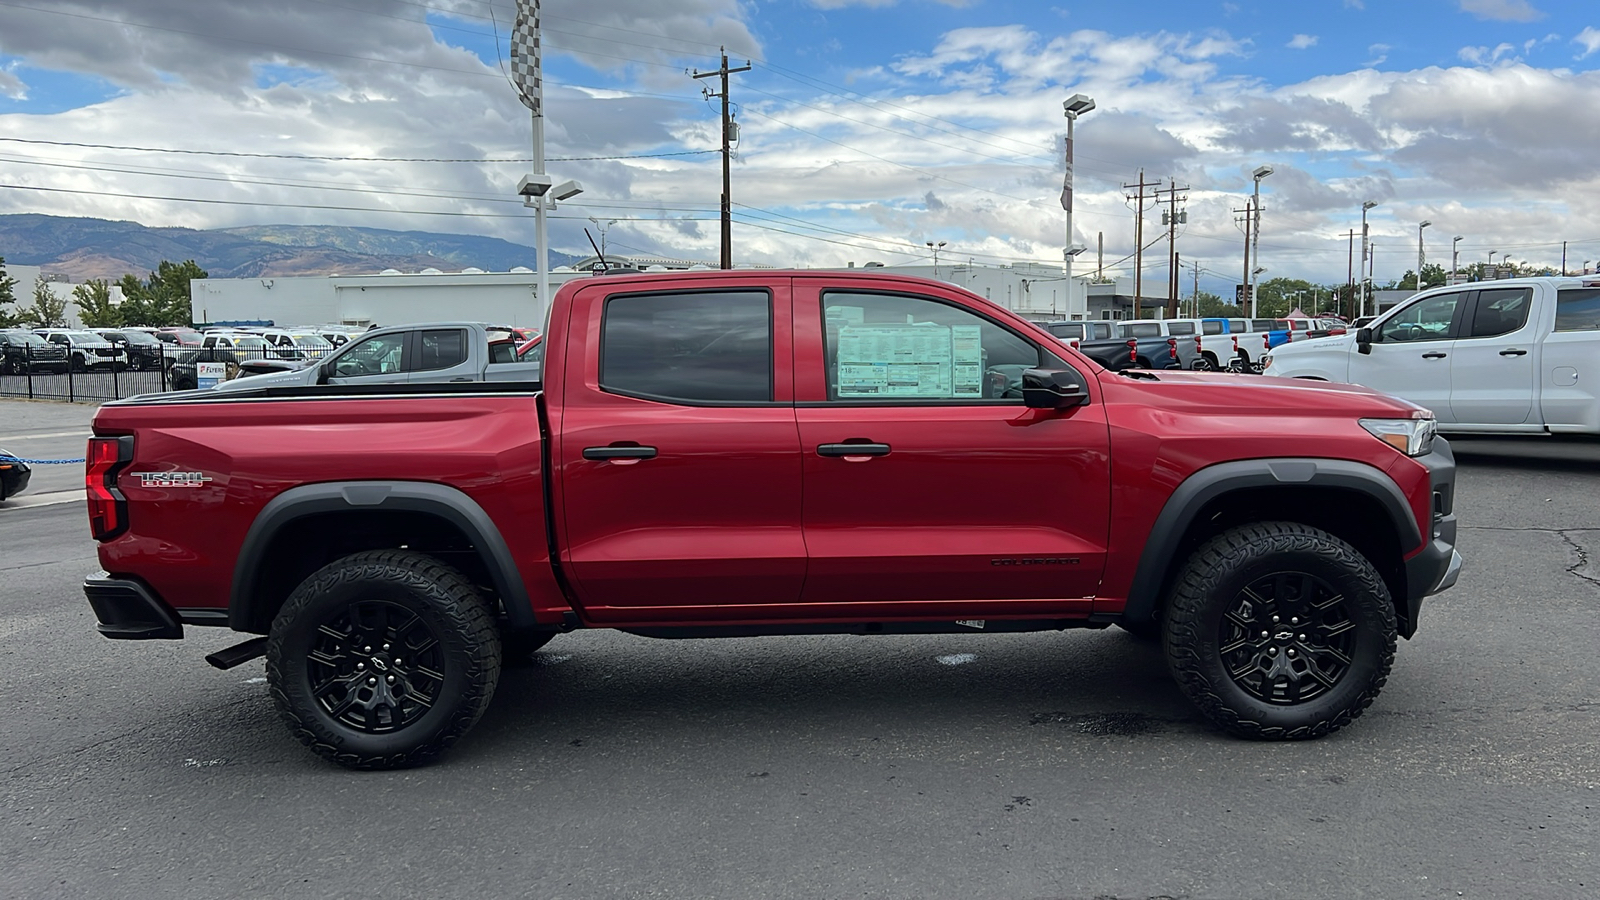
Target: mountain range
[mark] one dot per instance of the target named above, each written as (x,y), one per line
(84,248)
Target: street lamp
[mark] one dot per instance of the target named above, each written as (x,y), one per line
(1072,107)
(1421,257)
(602,227)
(1365,254)
(1486,272)
(935,248)
(1455,256)
(1255,239)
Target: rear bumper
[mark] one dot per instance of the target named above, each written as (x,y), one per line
(128,610)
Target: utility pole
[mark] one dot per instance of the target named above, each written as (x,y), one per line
(1196,307)
(1100,264)
(729,132)
(1172,219)
(1246,296)
(1350,274)
(1138,238)
(1563,259)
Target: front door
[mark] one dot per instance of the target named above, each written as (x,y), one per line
(678,459)
(1410,353)
(1492,374)
(928,484)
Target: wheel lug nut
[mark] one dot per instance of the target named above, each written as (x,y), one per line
(1302,637)
(372,681)
(1290,652)
(368,648)
(1266,634)
(1272,651)
(385,646)
(361,667)
(390,679)
(1275,619)
(1293,621)
(397,660)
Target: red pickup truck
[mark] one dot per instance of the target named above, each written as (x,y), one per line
(763,453)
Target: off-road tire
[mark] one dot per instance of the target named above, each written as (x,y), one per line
(447,609)
(1213,584)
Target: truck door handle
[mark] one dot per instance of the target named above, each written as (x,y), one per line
(1433,355)
(863,449)
(1513,353)
(628,453)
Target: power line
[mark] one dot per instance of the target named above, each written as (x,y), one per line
(401,159)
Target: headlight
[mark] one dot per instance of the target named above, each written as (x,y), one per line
(1266,362)
(1413,437)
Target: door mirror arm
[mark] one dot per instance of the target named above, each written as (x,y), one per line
(1364,340)
(1053,389)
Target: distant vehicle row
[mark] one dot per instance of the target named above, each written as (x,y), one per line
(1201,344)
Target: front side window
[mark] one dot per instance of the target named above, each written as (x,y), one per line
(891,347)
(441,348)
(691,348)
(381,354)
(1578,310)
(1500,311)
(1425,320)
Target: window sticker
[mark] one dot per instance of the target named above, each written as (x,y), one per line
(924,361)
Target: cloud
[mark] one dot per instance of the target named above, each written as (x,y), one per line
(1502,10)
(874,4)
(1590,39)
(12,86)
(1483,56)
(1379,54)
(1354,4)
(1302,41)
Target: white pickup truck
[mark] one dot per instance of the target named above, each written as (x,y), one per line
(1494,357)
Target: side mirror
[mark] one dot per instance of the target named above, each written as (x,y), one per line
(1364,339)
(324,372)
(1053,389)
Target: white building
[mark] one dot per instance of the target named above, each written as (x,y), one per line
(59,287)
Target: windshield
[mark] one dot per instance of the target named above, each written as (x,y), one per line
(85,337)
(250,342)
(135,337)
(311,341)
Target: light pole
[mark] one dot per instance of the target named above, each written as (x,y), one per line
(1486,272)
(1421,257)
(1455,256)
(1073,107)
(935,248)
(1365,255)
(602,227)
(1255,239)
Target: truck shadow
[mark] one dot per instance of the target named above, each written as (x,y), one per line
(1566,453)
(588,689)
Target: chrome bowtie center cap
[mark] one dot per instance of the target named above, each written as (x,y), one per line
(379,664)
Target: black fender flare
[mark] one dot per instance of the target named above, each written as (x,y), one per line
(442,500)
(1212,482)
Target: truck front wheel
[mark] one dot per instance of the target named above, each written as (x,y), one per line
(383,659)
(1279,631)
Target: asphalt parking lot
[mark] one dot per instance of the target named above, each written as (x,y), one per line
(1017,766)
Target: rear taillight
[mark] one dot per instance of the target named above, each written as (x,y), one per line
(1172,348)
(1074,345)
(1266,342)
(1288,337)
(108,509)
(1133,352)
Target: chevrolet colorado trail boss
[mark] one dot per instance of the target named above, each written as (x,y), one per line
(765,453)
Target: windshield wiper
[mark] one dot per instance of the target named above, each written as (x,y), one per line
(1139,373)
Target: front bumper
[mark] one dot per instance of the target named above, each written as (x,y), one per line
(1438,565)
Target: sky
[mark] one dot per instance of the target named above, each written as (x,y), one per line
(867,128)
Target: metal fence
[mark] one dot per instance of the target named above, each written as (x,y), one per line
(45,379)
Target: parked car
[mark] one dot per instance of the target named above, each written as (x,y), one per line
(177,337)
(144,350)
(1514,356)
(14,475)
(309,344)
(442,351)
(748,452)
(85,349)
(248,345)
(22,352)
(185,369)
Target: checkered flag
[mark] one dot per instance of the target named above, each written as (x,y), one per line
(525,56)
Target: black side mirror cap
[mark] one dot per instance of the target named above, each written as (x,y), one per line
(1364,339)
(1053,389)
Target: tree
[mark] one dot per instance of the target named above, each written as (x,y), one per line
(163,298)
(1209,305)
(7,297)
(1276,297)
(1433,275)
(48,310)
(95,309)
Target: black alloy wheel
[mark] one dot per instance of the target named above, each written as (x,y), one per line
(383,659)
(1279,631)
(1202,364)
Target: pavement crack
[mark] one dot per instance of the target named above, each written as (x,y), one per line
(1583,559)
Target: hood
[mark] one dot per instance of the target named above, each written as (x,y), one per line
(276,379)
(1228,392)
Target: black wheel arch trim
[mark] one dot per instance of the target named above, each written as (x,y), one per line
(1212,482)
(449,503)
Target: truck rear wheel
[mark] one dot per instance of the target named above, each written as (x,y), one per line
(1280,631)
(383,659)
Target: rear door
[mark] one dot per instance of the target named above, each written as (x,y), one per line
(441,354)
(928,485)
(1410,352)
(1493,368)
(678,459)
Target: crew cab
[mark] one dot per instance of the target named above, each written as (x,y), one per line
(729,453)
(1512,357)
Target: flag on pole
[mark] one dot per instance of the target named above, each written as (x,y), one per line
(1066,184)
(525,56)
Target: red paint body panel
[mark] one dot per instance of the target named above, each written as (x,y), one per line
(987,510)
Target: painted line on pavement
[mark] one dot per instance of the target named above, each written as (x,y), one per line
(52,498)
(48,434)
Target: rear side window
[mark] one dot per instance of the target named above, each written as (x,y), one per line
(1500,312)
(1180,328)
(1210,327)
(694,348)
(1238,326)
(1141,329)
(1071,331)
(441,348)
(1578,310)
(1260,324)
